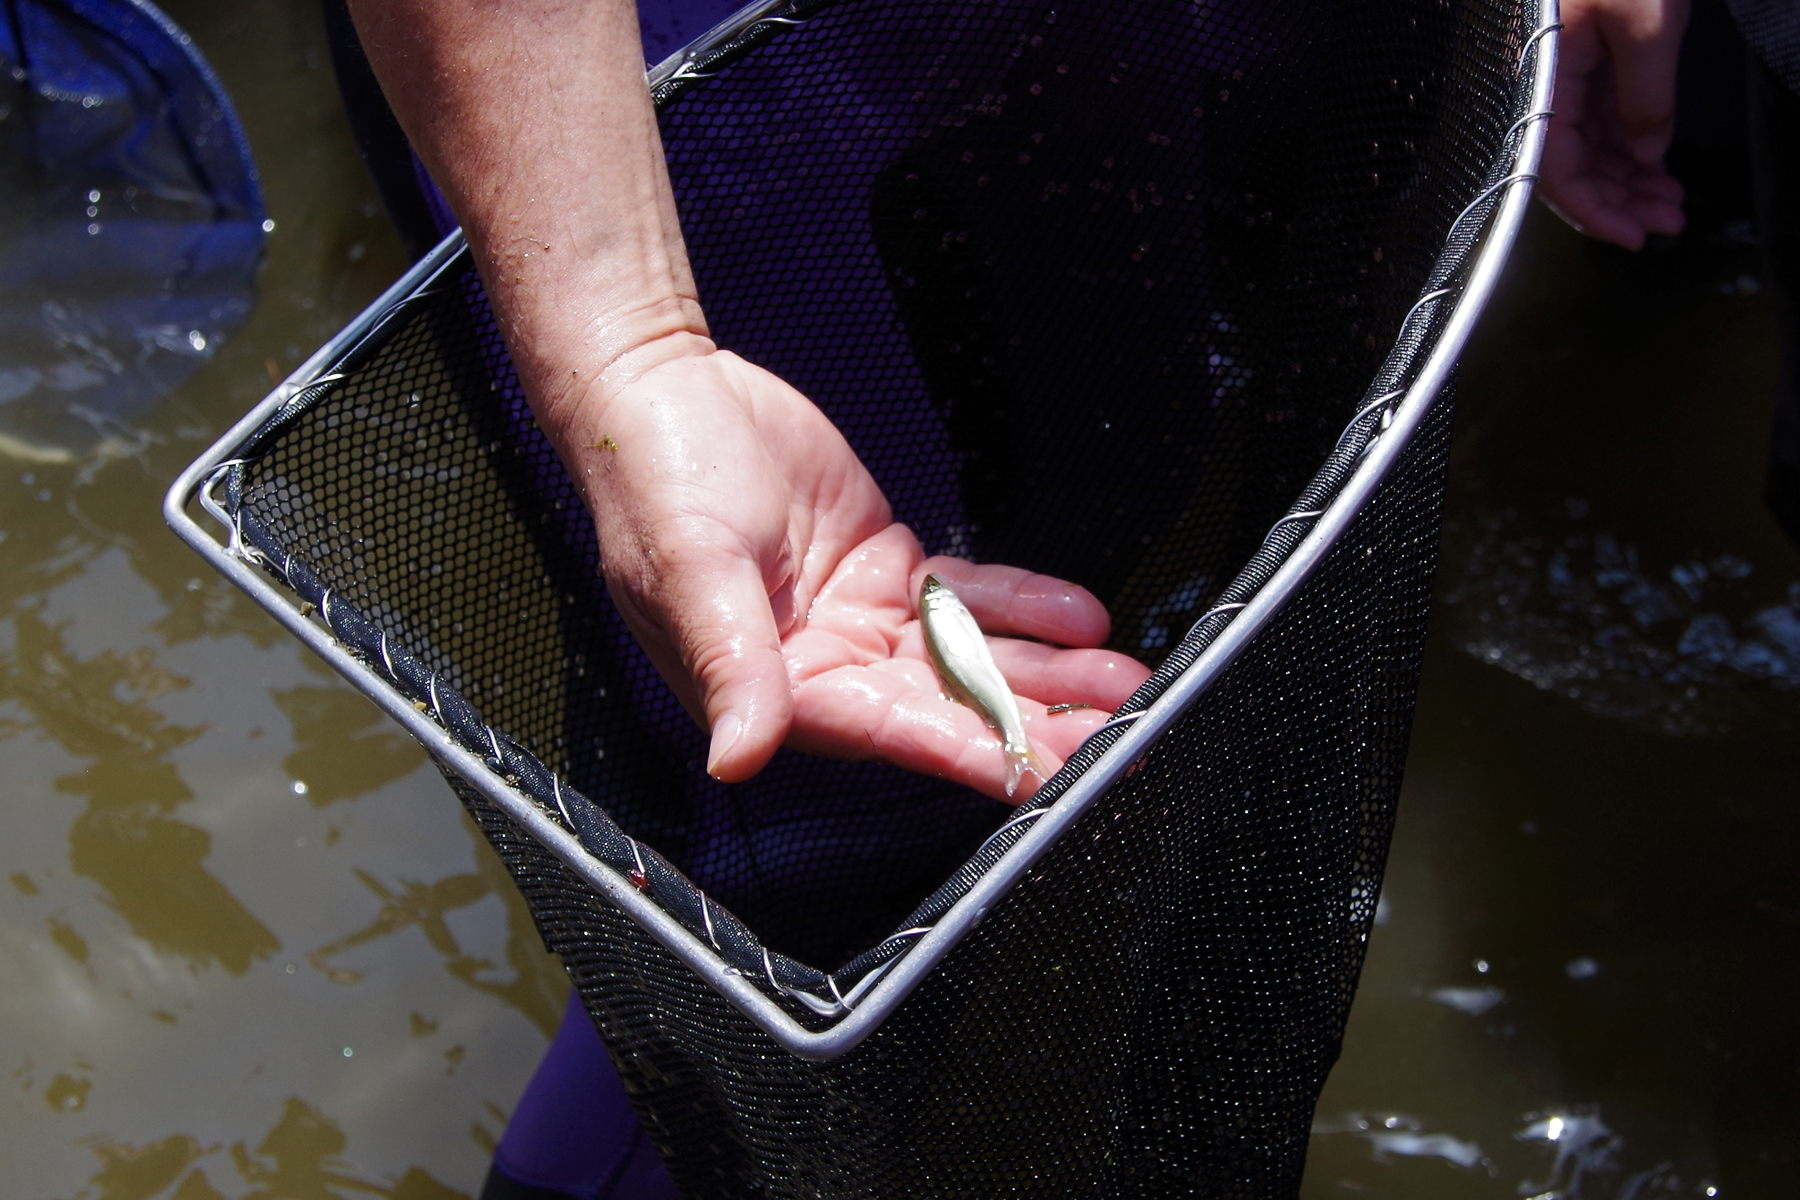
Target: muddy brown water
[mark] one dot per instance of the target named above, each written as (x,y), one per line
(251,949)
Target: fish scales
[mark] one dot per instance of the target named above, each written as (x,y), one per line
(966,667)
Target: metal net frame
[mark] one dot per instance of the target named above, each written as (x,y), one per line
(936,220)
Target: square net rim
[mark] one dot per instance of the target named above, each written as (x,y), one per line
(808,1012)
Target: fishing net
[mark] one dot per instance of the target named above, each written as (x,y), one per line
(131,228)
(1156,296)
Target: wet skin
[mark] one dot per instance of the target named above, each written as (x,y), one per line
(864,686)
(759,566)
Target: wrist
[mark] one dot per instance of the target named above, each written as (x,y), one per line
(579,398)
(573,352)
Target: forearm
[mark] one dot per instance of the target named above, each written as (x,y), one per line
(534,119)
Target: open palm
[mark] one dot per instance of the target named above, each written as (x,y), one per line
(756,560)
(864,687)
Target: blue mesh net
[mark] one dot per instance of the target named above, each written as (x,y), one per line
(132,224)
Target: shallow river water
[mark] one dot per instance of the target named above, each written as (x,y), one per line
(251,948)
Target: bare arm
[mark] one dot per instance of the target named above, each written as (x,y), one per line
(533,118)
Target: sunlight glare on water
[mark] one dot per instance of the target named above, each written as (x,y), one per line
(1584,983)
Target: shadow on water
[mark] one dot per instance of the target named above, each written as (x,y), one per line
(148,865)
(343,745)
(298,1159)
(533,991)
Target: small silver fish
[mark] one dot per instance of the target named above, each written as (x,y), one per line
(960,653)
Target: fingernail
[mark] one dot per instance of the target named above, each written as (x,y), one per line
(724,736)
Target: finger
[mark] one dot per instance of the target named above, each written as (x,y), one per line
(1102,678)
(1561,173)
(1010,600)
(889,712)
(717,621)
(1591,211)
(1602,168)
(1658,216)
(1623,203)
(1047,675)
(1593,195)
(1644,40)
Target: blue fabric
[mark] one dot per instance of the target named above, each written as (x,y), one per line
(131,228)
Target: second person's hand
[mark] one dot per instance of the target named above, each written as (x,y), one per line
(1603,169)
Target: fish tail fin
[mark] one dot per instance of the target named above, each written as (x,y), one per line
(1020,763)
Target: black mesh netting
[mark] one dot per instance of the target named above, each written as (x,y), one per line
(1094,290)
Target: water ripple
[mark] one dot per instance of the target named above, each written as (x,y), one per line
(1690,646)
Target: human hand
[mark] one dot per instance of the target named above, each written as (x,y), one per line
(757,562)
(865,688)
(723,500)
(1603,170)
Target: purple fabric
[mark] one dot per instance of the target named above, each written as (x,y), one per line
(806,835)
(860,842)
(668,25)
(574,1130)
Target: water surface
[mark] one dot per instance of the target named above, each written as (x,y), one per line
(1584,977)
(252,949)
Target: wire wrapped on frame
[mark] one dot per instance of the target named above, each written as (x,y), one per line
(818,992)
